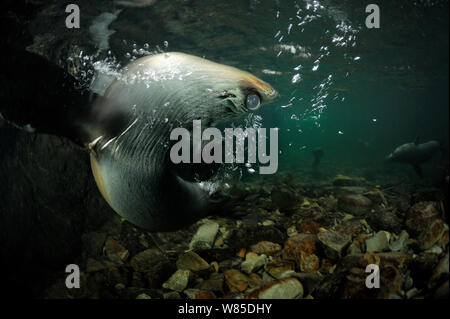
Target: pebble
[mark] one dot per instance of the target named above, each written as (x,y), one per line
(420,216)
(266,247)
(400,245)
(147,259)
(431,234)
(253,262)
(379,242)
(289,288)
(278,268)
(236,280)
(283,198)
(309,263)
(199,294)
(412,293)
(179,280)
(192,261)
(355,204)
(93,265)
(214,284)
(115,251)
(171,295)
(333,243)
(254,280)
(204,237)
(342,180)
(299,245)
(441,271)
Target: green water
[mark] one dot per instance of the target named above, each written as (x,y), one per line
(356,92)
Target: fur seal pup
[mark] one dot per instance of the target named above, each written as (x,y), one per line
(127,131)
(131,124)
(415,154)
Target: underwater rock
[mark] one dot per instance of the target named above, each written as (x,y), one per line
(348,280)
(285,199)
(192,261)
(443,242)
(412,293)
(309,263)
(353,227)
(214,283)
(440,273)
(93,265)
(248,235)
(420,215)
(145,260)
(400,245)
(93,243)
(154,265)
(342,180)
(204,237)
(328,203)
(384,220)
(265,247)
(299,246)
(171,295)
(179,280)
(333,243)
(431,234)
(115,275)
(115,251)
(277,268)
(442,291)
(309,227)
(422,268)
(143,296)
(354,204)
(376,196)
(198,294)
(289,288)
(252,262)
(379,242)
(356,246)
(254,280)
(236,281)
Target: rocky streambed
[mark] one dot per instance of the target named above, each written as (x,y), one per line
(278,239)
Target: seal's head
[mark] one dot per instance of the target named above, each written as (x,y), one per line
(199,88)
(134,119)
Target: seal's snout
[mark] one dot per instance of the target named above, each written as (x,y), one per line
(267,92)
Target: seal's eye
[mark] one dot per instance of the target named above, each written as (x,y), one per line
(253,102)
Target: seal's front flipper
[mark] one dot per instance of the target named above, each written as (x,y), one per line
(41,94)
(418,170)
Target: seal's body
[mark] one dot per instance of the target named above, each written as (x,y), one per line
(131,127)
(415,154)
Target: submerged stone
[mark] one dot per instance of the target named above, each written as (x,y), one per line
(204,237)
(354,204)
